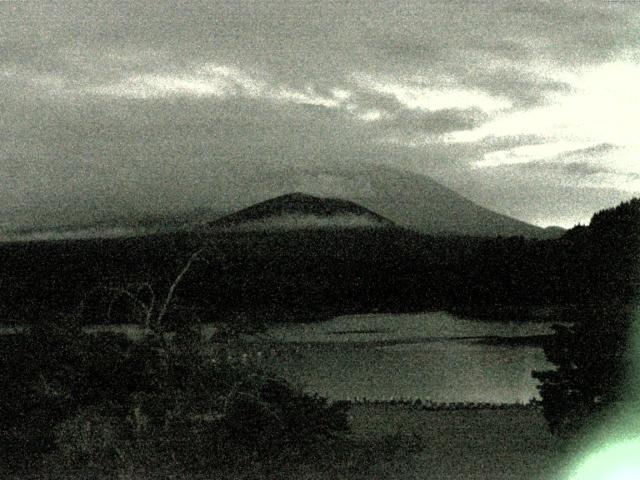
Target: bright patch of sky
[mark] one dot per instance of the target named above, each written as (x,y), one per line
(601,108)
(416,96)
(212,80)
(530,153)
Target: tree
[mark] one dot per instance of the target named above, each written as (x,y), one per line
(593,357)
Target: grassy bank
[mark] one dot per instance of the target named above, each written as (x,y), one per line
(402,442)
(503,443)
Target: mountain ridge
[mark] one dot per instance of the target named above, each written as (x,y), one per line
(408,199)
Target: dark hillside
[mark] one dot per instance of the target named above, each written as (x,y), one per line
(304,273)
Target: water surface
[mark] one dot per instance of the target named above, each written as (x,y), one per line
(434,356)
(430,356)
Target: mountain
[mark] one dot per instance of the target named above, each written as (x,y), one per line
(405,198)
(300,210)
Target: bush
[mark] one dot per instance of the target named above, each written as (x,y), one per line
(49,373)
(104,401)
(271,417)
(91,437)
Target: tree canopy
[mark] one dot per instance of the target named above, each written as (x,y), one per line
(594,356)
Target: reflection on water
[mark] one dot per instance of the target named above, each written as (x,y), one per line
(426,356)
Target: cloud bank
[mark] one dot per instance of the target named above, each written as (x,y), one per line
(303,222)
(124,108)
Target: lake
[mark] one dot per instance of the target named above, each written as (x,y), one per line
(430,356)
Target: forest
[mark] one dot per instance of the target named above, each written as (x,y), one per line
(303,275)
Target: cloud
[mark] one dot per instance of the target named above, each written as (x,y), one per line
(207,80)
(371,115)
(589,128)
(326,184)
(150,86)
(57,234)
(122,106)
(308,97)
(408,110)
(299,221)
(600,106)
(418,96)
(584,174)
(213,80)
(532,153)
(543,194)
(434,123)
(583,169)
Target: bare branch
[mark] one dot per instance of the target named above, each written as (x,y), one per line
(169,298)
(133,291)
(152,302)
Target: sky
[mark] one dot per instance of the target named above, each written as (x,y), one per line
(132,108)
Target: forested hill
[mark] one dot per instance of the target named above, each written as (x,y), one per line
(299,210)
(595,357)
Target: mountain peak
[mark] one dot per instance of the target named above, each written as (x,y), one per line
(297,196)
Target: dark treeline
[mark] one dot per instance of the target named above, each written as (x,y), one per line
(305,273)
(596,357)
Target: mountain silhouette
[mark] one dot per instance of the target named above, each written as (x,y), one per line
(358,195)
(408,199)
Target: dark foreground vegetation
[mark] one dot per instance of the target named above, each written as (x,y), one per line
(102,403)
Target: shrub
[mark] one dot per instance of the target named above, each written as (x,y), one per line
(104,401)
(91,437)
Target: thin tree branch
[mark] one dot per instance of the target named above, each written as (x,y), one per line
(169,298)
(151,305)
